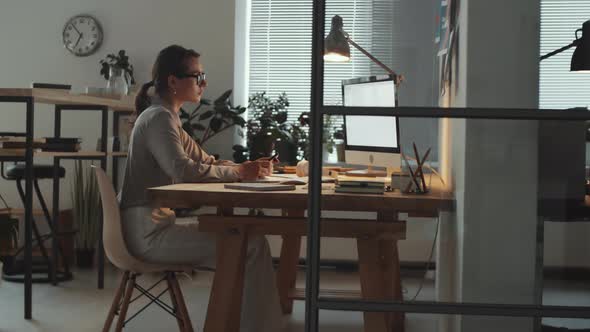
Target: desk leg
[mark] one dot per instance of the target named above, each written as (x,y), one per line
(373,285)
(389,265)
(287,272)
(223,312)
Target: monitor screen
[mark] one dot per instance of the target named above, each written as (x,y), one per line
(370,133)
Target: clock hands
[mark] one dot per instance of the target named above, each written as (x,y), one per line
(77,41)
(78,31)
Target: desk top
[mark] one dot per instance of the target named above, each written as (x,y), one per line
(63,97)
(197,194)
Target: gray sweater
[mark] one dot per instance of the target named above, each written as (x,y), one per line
(162,153)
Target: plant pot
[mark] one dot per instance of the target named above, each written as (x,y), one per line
(287,153)
(262,146)
(340,152)
(117,83)
(85,258)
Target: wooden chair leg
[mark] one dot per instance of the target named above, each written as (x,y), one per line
(125,305)
(372,285)
(116,302)
(174,301)
(223,314)
(186,321)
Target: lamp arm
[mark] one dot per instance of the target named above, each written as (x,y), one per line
(370,56)
(550,54)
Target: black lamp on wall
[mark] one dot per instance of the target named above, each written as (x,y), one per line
(336,48)
(581,57)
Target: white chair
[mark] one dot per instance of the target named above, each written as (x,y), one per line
(116,251)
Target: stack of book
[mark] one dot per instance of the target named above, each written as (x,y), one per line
(360,185)
(53,144)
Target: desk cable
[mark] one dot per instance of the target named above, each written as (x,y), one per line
(429,259)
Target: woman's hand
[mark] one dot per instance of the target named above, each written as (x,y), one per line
(248,171)
(267,164)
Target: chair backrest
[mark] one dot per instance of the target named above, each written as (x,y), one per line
(112,231)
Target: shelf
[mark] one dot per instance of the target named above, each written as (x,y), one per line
(82,154)
(64,97)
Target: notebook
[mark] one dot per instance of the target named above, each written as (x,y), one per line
(257,186)
(281,180)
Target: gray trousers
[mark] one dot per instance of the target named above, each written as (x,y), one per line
(155,236)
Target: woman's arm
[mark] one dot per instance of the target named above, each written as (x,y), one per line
(197,153)
(165,142)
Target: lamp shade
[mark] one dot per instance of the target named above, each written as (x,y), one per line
(336,48)
(581,57)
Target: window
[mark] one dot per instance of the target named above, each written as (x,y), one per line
(558,87)
(280,47)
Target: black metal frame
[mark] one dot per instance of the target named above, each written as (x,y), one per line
(313,303)
(28,204)
(56,164)
(29,102)
(116,116)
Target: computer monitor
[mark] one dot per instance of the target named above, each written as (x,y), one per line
(371,140)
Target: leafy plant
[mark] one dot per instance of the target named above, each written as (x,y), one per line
(266,126)
(222,115)
(332,131)
(120,60)
(86,206)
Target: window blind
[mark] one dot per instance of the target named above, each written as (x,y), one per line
(558,87)
(280,47)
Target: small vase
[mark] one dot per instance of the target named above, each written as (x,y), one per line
(117,84)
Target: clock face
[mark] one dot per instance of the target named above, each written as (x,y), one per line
(82,35)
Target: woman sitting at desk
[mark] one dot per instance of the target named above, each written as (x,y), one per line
(161,153)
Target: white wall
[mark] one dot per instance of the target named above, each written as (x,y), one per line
(495,163)
(30,37)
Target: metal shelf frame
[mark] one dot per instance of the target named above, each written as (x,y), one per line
(313,302)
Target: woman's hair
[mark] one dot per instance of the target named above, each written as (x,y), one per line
(171,61)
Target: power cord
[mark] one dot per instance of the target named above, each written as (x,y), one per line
(429,260)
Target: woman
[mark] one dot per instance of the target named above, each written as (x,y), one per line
(161,153)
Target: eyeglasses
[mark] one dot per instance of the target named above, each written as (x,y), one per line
(200,77)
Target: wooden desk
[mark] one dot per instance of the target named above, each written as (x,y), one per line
(377,241)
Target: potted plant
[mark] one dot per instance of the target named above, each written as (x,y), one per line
(118,72)
(86,210)
(268,129)
(332,137)
(221,115)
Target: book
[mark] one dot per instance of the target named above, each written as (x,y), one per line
(353,181)
(67,147)
(63,140)
(359,190)
(259,186)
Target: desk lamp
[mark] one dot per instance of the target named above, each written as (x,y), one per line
(336,48)
(581,57)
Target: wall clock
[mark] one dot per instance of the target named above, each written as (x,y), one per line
(82,35)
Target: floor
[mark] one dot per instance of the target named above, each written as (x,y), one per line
(79,306)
